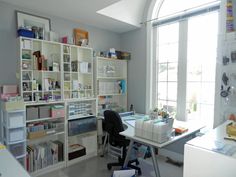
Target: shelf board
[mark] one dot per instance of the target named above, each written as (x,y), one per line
(58,165)
(47,135)
(43,119)
(25,49)
(86,73)
(74,117)
(48,71)
(24,59)
(113,94)
(20,156)
(33,103)
(111,59)
(112,78)
(14,142)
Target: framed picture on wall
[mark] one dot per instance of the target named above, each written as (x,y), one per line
(39,25)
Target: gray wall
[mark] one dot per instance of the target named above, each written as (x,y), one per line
(99,39)
(135,42)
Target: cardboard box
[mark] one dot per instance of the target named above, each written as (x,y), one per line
(35,135)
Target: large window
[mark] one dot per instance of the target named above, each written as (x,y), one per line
(186,64)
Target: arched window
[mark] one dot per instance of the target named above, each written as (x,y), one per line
(185,38)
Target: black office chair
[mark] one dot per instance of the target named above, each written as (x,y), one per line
(113,126)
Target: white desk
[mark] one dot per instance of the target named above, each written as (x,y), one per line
(9,166)
(200,153)
(129,133)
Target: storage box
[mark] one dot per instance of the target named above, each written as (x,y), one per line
(57,111)
(75,151)
(124,173)
(35,135)
(13,105)
(44,111)
(32,113)
(13,135)
(8,89)
(14,119)
(25,33)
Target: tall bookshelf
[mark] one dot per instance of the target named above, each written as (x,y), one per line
(111,84)
(57,78)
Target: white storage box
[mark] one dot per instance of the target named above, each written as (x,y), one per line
(124,173)
(14,119)
(18,149)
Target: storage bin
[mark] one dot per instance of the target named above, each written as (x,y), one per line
(75,151)
(32,113)
(57,111)
(14,119)
(17,134)
(13,105)
(18,149)
(35,135)
(14,135)
(25,33)
(44,111)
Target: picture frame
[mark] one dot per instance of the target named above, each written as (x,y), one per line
(29,21)
(81,37)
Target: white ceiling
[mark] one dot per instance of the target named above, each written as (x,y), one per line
(114,15)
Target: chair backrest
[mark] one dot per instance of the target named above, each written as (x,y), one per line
(113,125)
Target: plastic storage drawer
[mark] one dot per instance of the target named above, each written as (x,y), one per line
(18,149)
(13,135)
(15,119)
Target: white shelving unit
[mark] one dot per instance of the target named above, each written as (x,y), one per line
(52,71)
(111,84)
(82,130)
(46,137)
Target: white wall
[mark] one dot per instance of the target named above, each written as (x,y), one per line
(99,39)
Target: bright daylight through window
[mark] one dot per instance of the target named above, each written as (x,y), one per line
(186,48)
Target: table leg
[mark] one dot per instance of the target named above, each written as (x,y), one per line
(128,154)
(154,161)
(104,144)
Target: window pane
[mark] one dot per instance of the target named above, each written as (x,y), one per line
(169,6)
(172,91)
(162,75)
(167,62)
(194,71)
(162,90)
(201,66)
(172,71)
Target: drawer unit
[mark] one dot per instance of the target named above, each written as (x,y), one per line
(13,135)
(18,149)
(82,125)
(14,119)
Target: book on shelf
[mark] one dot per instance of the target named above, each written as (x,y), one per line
(43,155)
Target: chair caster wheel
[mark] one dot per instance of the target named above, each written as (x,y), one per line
(139,173)
(109,167)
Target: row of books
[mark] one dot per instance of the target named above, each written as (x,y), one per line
(44,154)
(35,127)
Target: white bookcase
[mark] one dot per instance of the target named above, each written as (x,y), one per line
(111,84)
(54,71)
(46,134)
